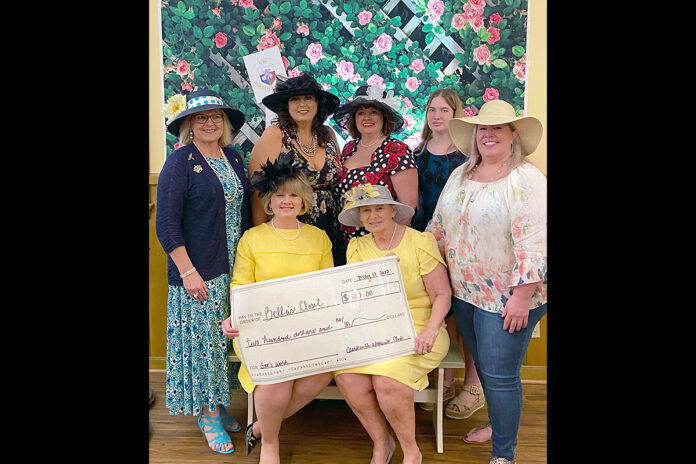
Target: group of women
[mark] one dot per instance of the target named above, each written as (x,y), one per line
(465,215)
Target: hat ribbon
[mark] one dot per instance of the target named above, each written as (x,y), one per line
(359,192)
(374,92)
(203,100)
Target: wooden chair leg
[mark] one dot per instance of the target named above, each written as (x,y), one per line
(439,409)
(250,408)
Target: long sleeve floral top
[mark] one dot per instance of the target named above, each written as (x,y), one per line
(493,236)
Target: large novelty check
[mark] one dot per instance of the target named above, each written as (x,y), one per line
(322,321)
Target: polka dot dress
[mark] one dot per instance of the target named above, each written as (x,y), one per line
(390,158)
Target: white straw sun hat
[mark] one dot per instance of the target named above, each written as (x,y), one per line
(494,112)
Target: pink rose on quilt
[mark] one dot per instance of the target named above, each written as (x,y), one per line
(220,40)
(412,83)
(364,17)
(303,29)
(314,53)
(267,40)
(476,23)
(247,3)
(376,80)
(469,111)
(495,34)
(478,4)
(520,69)
(344,69)
(490,94)
(458,21)
(495,18)
(383,43)
(482,55)
(435,9)
(417,65)
(182,68)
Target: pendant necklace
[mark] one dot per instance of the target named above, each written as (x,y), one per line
(390,241)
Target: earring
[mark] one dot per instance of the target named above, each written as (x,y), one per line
(191,134)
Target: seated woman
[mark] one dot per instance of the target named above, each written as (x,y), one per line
(383,392)
(281,247)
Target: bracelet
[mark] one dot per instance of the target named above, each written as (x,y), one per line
(187,273)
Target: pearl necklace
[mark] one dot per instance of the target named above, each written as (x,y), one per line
(307,150)
(497,172)
(371,144)
(390,241)
(282,236)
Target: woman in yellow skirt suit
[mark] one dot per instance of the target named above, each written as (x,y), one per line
(280,247)
(382,393)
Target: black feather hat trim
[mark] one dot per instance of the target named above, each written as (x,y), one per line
(274,174)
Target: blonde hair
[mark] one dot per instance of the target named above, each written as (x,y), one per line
(454,102)
(298,184)
(475,157)
(186,136)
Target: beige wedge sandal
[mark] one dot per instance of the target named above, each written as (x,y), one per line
(465,410)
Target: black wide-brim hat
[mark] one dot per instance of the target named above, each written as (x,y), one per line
(372,95)
(204,100)
(304,84)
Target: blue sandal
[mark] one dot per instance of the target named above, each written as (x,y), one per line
(228,421)
(221,437)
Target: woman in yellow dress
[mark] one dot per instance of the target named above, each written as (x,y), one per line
(281,247)
(382,393)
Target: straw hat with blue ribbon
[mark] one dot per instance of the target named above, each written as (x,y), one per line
(203,100)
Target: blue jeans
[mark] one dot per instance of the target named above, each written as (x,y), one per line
(498,356)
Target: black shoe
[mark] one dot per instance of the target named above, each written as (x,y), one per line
(250,440)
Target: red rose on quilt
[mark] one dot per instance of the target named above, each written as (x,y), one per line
(395,149)
(372,178)
(392,163)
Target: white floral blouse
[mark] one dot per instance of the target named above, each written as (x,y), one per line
(493,236)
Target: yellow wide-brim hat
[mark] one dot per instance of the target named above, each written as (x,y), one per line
(529,129)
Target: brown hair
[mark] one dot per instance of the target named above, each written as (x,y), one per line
(387,126)
(287,124)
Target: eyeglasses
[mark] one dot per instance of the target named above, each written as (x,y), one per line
(202,118)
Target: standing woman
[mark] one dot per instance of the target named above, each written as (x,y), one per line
(490,224)
(202,210)
(302,107)
(436,158)
(281,247)
(374,156)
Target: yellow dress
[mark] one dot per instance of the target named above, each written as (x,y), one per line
(418,255)
(263,255)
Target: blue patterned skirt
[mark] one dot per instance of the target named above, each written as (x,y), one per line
(198,373)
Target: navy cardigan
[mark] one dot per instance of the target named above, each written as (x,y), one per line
(191,211)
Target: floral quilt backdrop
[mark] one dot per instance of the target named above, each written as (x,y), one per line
(476,47)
